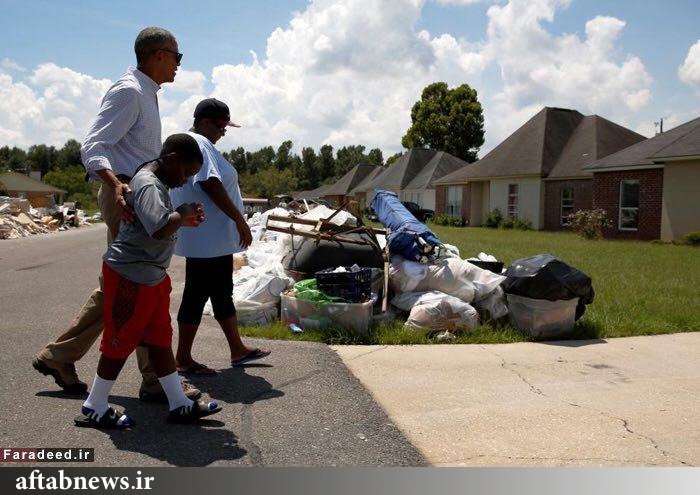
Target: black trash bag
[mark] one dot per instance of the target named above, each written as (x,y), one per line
(310,256)
(545,277)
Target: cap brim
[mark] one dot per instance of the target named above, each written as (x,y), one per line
(232,124)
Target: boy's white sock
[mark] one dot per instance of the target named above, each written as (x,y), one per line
(173,390)
(99,395)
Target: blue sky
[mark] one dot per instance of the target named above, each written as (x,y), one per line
(95,39)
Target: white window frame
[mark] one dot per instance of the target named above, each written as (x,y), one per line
(565,218)
(516,205)
(453,207)
(620,207)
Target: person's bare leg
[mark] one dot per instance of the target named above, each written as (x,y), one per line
(162,359)
(108,368)
(187,333)
(233,337)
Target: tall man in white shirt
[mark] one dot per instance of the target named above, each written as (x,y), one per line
(125,134)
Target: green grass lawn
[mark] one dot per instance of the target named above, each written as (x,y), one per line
(641,288)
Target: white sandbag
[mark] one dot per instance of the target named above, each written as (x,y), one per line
(452,276)
(449,251)
(321,212)
(436,311)
(278,212)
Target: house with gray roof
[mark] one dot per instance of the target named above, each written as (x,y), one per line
(538,173)
(412,177)
(650,189)
(339,192)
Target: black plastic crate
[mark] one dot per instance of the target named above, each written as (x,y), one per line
(492,266)
(351,286)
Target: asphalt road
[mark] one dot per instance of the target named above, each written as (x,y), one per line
(302,407)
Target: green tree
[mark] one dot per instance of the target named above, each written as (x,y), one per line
(308,176)
(347,157)
(283,158)
(393,158)
(326,165)
(238,159)
(69,154)
(447,119)
(13,158)
(260,160)
(72,179)
(375,157)
(268,182)
(41,157)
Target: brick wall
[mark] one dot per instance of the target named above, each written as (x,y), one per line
(583,200)
(441,200)
(606,195)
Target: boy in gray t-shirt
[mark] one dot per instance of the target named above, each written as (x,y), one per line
(137,288)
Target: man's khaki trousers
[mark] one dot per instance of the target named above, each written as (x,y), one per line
(88,325)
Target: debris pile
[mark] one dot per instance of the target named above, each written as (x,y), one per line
(316,268)
(19,219)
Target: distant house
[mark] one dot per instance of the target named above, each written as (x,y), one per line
(360,191)
(650,190)
(38,193)
(412,177)
(537,173)
(313,193)
(339,192)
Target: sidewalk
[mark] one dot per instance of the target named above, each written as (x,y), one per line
(622,402)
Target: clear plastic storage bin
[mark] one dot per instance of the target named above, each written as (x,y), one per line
(355,317)
(541,318)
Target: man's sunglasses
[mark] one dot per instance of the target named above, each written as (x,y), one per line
(178,55)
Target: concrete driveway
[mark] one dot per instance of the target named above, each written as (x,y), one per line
(621,402)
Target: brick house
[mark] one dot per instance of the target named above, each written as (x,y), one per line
(38,193)
(537,173)
(649,190)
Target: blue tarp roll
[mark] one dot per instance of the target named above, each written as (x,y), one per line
(405,228)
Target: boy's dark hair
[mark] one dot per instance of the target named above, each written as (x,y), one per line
(183,146)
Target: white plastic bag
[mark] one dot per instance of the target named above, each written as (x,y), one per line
(436,311)
(452,276)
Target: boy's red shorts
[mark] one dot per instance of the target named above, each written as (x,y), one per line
(134,314)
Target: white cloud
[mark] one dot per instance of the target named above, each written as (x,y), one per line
(10,64)
(689,72)
(343,72)
(348,72)
(54,104)
(459,2)
(539,69)
(187,81)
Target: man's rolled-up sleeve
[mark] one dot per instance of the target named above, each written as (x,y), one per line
(118,113)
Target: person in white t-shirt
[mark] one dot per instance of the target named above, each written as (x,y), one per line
(209,251)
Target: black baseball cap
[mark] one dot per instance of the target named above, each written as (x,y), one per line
(211,108)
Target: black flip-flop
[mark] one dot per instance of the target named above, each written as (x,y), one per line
(253,355)
(110,420)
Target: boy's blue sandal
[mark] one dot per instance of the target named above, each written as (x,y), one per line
(111,419)
(253,355)
(190,414)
